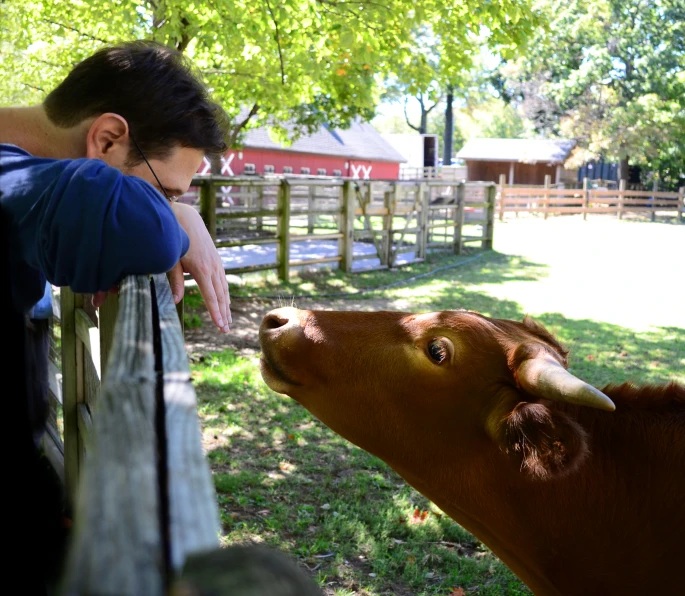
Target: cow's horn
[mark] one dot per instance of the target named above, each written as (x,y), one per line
(546,378)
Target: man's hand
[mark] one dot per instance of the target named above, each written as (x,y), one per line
(203,263)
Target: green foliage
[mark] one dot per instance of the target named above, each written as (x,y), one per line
(304,60)
(610,74)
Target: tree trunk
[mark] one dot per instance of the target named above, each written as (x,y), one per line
(423,128)
(449,130)
(623,169)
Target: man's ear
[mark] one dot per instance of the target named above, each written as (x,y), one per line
(545,442)
(108,140)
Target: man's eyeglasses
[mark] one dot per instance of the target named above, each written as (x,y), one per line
(172,198)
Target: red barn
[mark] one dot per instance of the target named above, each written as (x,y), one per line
(358,152)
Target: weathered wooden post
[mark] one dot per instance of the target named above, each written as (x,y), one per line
(621,191)
(460,200)
(311,200)
(546,196)
(146,498)
(72,390)
(347,228)
(422,234)
(502,185)
(208,205)
(681,204)
(389,203)
(586,197)
(489,225)
(283,230)
(655,189)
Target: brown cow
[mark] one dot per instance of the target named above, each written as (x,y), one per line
(481,416)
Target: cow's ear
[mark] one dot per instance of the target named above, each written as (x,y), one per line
(546,443)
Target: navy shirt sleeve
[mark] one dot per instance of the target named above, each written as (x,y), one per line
(83,224)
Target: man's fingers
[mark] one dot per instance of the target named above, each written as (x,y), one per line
(221,289)
(223,299)
(211,302)
(176,282)
(98,299)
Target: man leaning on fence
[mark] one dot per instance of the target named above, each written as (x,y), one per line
(87,181)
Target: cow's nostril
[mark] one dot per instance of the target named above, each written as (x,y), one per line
(274,321)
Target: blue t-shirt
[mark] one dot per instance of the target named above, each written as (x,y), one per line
(83,224)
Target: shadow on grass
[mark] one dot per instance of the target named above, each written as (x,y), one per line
(491,266)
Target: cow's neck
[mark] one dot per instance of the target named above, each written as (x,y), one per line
(480,512)
(542,530)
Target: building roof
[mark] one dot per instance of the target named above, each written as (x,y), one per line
(360,141)
(520,150)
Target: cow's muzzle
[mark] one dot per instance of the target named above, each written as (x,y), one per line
(284,345)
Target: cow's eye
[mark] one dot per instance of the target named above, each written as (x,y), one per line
(439,350)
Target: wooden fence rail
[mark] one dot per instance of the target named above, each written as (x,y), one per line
(400,221)
(146,518)
(145,486)
(553,201)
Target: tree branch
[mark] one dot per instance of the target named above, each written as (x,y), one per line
(81,33)
(428,111)
(277,37)
(186,37)
(406,118)
(236,131)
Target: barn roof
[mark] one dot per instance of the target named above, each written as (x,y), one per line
(520,150)
(360,141)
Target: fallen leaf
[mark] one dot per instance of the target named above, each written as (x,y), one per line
(457,592)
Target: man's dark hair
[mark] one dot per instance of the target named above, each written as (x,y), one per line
(150,85)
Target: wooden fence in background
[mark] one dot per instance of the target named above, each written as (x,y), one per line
(618,202)
(397,221)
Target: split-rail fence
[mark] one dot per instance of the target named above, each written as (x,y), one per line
(620,202)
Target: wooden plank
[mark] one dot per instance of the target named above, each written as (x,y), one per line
(544,192)
(253,268)
(208,206)
(89,334)
(307,237)
(55,381)
(234,214)
(372,211)
(247,242)
(283,247)
(347,245)
(670,204)
(54,450)
(319,211)
(637,193)
(117,544)
(489,227)
(300,263)
(71,397)
(458,237)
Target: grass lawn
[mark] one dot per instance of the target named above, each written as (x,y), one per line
(610,290)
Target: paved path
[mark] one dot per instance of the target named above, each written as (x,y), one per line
(263,254)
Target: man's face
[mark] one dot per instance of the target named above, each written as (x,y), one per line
(175,171)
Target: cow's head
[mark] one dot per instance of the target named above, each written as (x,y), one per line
(451,380)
